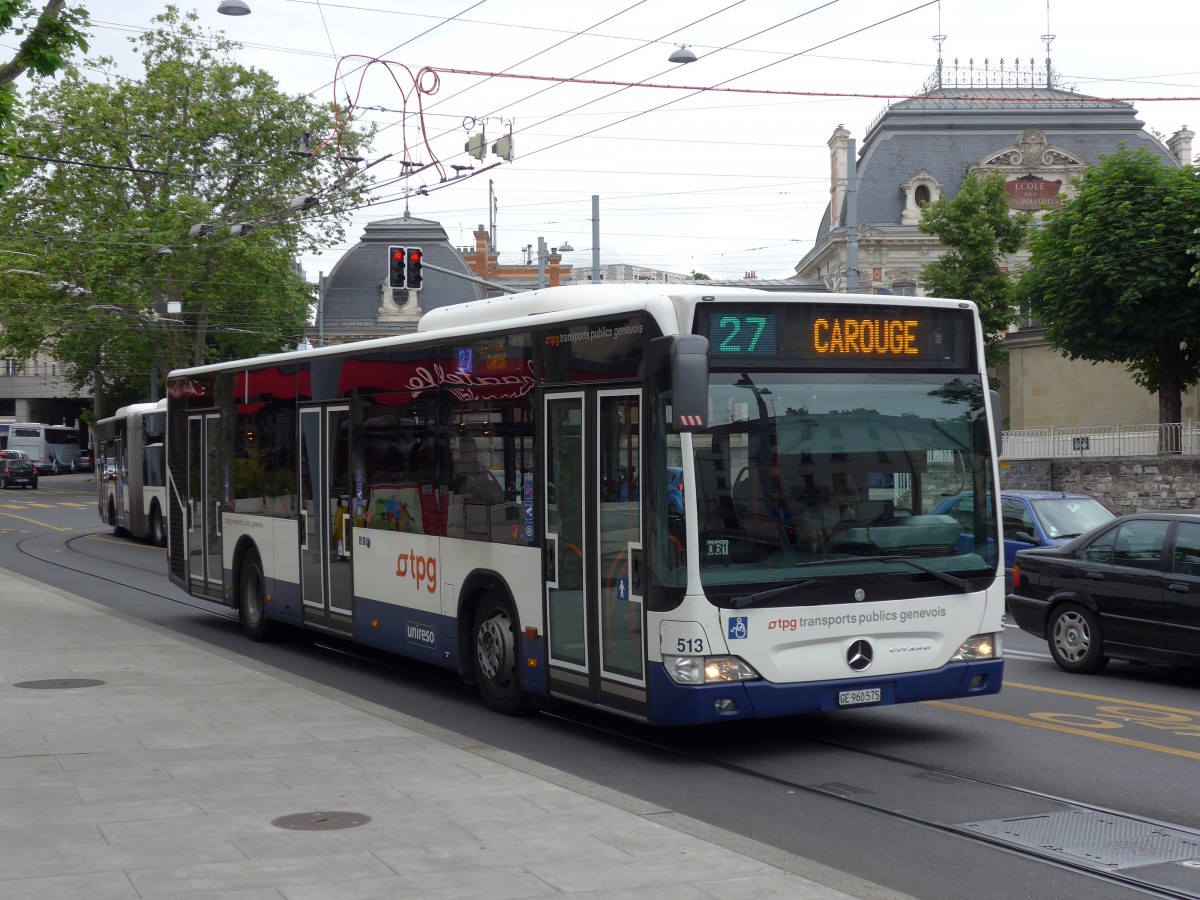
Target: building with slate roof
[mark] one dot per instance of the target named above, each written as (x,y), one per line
(921,149)
(356,300)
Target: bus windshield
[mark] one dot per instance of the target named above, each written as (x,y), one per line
(62,437)
(828,475)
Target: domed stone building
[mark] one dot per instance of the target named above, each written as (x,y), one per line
(968,120)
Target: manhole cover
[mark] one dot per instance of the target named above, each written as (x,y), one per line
(53,683)
(321,821)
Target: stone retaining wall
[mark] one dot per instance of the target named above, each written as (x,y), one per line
(1124,485)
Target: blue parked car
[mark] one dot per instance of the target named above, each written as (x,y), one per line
(675,490)
(1032,519)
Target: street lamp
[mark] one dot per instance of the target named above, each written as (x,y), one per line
(233,8)
(682,55)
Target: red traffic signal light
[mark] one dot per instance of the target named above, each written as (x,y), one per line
(397,267)
(413,269)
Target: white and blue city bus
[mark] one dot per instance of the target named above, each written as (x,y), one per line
(131,471)
(498,493)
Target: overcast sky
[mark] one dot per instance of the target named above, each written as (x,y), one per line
(717,182)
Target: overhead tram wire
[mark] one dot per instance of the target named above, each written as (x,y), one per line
(587,31)
(727,46)
(626,87)
(407,175)
(619,56)
(733,78)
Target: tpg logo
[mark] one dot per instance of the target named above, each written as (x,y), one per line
(421,569)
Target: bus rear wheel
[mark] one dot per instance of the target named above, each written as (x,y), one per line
(158,534)
(494,648)
(118,530)
(252,598)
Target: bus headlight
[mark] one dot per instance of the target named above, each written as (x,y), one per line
(980,646)
(708,669)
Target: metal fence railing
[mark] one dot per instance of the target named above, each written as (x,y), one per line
(1181,438)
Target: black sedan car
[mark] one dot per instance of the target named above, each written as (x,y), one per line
(17,468)
(1129,589)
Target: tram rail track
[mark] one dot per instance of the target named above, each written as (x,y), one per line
(24,548)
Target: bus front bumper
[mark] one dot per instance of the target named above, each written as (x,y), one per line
(679,704)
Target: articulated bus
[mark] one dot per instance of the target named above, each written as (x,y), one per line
(53,448)
(681,504)
(131,471)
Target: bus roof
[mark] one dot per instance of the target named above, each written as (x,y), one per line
(134,408)
(672,305)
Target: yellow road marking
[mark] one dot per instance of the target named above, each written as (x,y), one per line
(34,521)
(1101,698)
(1034,723)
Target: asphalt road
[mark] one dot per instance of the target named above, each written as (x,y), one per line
(882,793)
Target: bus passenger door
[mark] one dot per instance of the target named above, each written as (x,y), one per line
(205,503)
(592,557)
(120,482)
(326,520)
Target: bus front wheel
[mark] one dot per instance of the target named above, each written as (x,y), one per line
(252,606)
(494,647)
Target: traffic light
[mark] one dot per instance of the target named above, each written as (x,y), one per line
(503,148)
(397,267)
(413,272)
(476,145)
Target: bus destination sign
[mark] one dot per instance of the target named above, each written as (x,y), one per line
(838,335)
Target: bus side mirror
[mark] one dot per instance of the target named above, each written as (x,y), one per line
(687,356)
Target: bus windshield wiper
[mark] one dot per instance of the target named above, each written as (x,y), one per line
(747,599)
(963,584)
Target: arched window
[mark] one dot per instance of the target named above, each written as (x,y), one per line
(919,191)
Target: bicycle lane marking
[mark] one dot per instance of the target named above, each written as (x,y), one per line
(1117,713)
(1101,698)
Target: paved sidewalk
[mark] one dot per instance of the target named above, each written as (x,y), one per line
(164,778)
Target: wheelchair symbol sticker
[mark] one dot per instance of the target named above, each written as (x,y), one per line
(739,627)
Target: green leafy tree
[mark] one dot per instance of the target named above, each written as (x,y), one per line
(978,231)
(120,172)
(1111,273)
(47,38)
(700,276)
